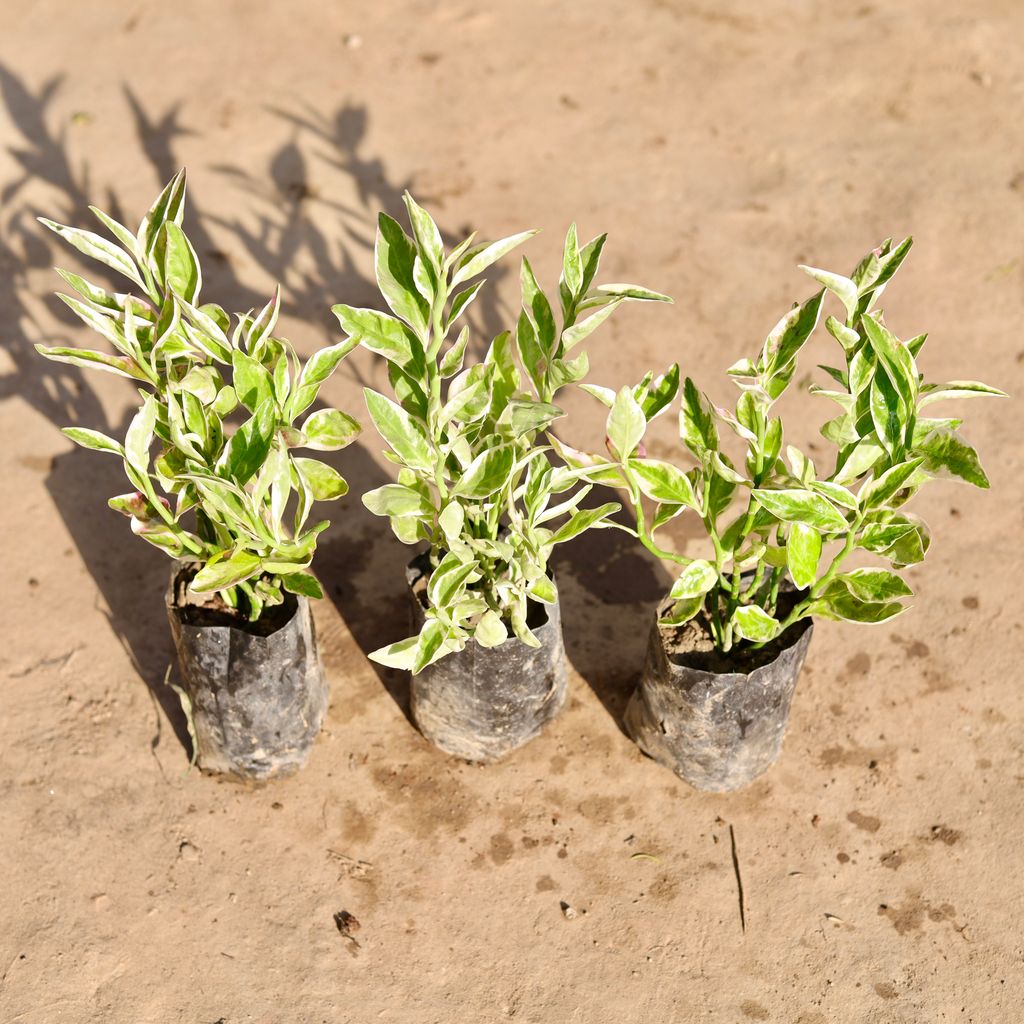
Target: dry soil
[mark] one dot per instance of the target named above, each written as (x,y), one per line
(720,144)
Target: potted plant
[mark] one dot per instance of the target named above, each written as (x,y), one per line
(729,640)
(475,483)
(218,484)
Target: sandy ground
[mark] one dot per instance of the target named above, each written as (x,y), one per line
(720,144)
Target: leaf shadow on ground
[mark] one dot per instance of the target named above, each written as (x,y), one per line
(131,577)
(609,586)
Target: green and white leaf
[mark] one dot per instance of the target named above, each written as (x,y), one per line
(803,552)
(753,623)
(626,424)
(696,579)
(407,437)
(798,506)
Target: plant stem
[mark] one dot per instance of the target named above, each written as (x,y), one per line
(432,343)
(773,591)
(736,584)
(646,538)
(755,585)
(254,601)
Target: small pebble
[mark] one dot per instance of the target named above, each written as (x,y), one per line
(346,923)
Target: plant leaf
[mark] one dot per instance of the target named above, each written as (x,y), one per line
(123,366)
(695,580)
(395,257)
(424,230)
(451,362)
(578,332)
(431,639)
(93,439)
(523,416)
(660,393)
(225,572)
(490,630)
(626,424)
(397,500)
(874,584)
(182,273)
(582,520)
(303,583)
(380,333)
(662,481)
(139,437)
(324,482)
(462,301)
(696,422)
(484,257)
(859,461)
(572,264)
(836,493)
(839,603)
(947,454)
(98,248)
(887,412)
(753,623)
(251,380)
(632,291)
(803,550)
(451,520)
(449,579)
(956,389)
(894,356)
(894,479)
(169,206)
(788,336)
(328,430)
(250,444)
(319,367)
(486,473)
(796,506)
(401,655)
(840,286)
(405,435)
(682,611)
(878,537)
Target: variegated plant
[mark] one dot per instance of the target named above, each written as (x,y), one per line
(235,499)
(791,512)
(475,481)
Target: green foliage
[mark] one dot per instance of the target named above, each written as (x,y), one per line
(233,497)
(775,515)
(476,481)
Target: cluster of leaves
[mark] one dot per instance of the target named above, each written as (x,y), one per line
(774,516)
(233,497)
(475,482)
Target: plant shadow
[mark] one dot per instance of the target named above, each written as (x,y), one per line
(609,586)
(78,482)
(361,565)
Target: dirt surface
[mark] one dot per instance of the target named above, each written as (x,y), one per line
(692,644)
(720,144)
